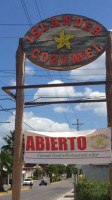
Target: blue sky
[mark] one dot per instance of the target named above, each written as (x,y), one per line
(14,23)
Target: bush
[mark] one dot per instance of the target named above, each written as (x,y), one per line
(92,190)
(33,177)
(56,178)
(102,191)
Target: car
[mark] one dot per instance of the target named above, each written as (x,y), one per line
(28,181)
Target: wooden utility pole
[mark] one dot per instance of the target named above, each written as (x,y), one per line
(17,162)
(109,97)
(78,124)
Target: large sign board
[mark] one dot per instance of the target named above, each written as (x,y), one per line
(65,42)
(81,147)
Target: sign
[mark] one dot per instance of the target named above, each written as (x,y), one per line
(80,147)
(65,42)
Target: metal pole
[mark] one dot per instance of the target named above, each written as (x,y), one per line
(17,162)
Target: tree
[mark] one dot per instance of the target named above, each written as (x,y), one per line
(70,170)
(38,172)
(9,139)
(5,162)
(61,169)
(9,147)
(50,170)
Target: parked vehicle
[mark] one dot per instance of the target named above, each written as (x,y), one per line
(43,183)
(28,181)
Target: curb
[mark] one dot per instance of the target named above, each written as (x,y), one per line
(9,192)
(67,196)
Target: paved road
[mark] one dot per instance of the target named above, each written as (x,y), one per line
(51,192)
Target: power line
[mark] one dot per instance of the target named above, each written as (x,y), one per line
(7,70)
(15,24)
(5,122)
(6,110)
(49,75)
(26,12)
(68,96)
(38,9)
(52,75)
(8,99)
(64,114)
(10,37)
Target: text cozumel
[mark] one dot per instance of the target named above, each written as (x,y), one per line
(81,147)
(65,42)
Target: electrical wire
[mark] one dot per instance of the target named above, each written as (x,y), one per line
(26,12)
(7,70)
(7,99)
(48,72)
(41,75)
(6,110)
(38,9)
(68,97)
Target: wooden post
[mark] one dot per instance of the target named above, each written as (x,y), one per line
(17,163)
(75,181)
(109,97)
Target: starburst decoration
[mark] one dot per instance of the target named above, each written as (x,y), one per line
(99,141)
(63,40)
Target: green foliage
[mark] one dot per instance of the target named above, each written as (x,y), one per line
(70,170)
(5,162)
(92,190)
(9,139)
(84,190)
(6,156)
(52,169)
(75,171)
(33,178)
(38,171)
(61,169)
(56,178)
(55,171)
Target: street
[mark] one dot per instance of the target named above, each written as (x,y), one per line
(50,192)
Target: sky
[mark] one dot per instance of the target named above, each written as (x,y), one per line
(16,18)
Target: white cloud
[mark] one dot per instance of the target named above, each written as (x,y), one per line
(43,124)
(35,122)
(98,108)
(89,93)
(62,92)
(29,70)
(94,70)
(61,109)
(12,82)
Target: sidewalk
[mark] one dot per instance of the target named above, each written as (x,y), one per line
(67,196)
